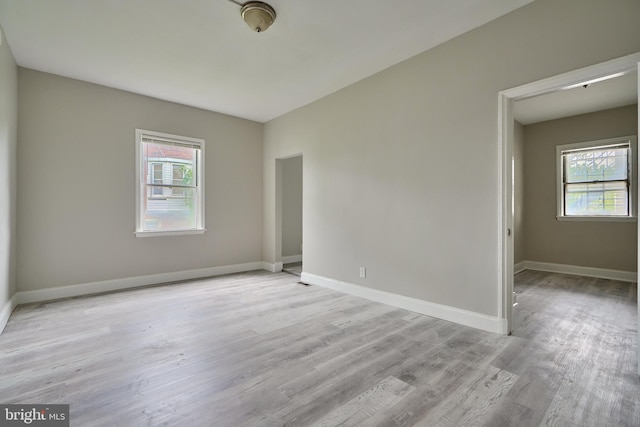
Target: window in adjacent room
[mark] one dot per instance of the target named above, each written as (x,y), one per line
(170,184)
(596,179)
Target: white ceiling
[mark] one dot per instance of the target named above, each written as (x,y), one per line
(613,93)
(200,52)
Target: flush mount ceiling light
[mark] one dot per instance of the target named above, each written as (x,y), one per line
(258,15)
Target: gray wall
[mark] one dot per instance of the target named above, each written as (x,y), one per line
(8,149)
(76,182)
(610,245)
(518,194)
(397,182)
(292,206)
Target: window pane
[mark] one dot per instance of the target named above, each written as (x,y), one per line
(170,200)
(602,198)
(156,178)
(178,174)
(171,213)
(157,173)
(607,164)
(182,176)
(162,153)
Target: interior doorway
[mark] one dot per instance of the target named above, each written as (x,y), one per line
(289,181)
(596,113)
(507,98)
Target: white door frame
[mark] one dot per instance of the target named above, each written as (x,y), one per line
(506,99)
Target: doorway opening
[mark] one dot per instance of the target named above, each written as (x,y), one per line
(289,213)
(507,98)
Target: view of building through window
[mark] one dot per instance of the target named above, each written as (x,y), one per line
(596,181)
(169,193)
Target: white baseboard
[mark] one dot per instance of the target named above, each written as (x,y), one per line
(6,311)
(519,267)
(602,273)
(451,314)
(25,297)
(272,267)
(291,258)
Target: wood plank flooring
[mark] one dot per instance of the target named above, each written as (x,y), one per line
(261,349)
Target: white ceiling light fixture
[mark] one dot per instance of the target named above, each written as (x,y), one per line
(258,15)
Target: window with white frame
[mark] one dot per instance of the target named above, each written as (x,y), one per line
(596,179)
(170,184)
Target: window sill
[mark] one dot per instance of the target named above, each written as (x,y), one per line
(169,233)
(598,218)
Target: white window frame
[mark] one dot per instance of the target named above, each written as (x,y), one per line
(141,173)
(633,178)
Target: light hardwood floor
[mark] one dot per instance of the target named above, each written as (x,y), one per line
(260,349)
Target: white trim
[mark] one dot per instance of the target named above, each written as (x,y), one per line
(25,297)
(6,311)
(598,218)
(150,233)
(519,267)
(451,314)
(623,65)
(291,258)
(275,267)
(503,327)
(506,207)
(602,273)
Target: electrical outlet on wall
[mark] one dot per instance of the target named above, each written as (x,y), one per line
(363,272)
